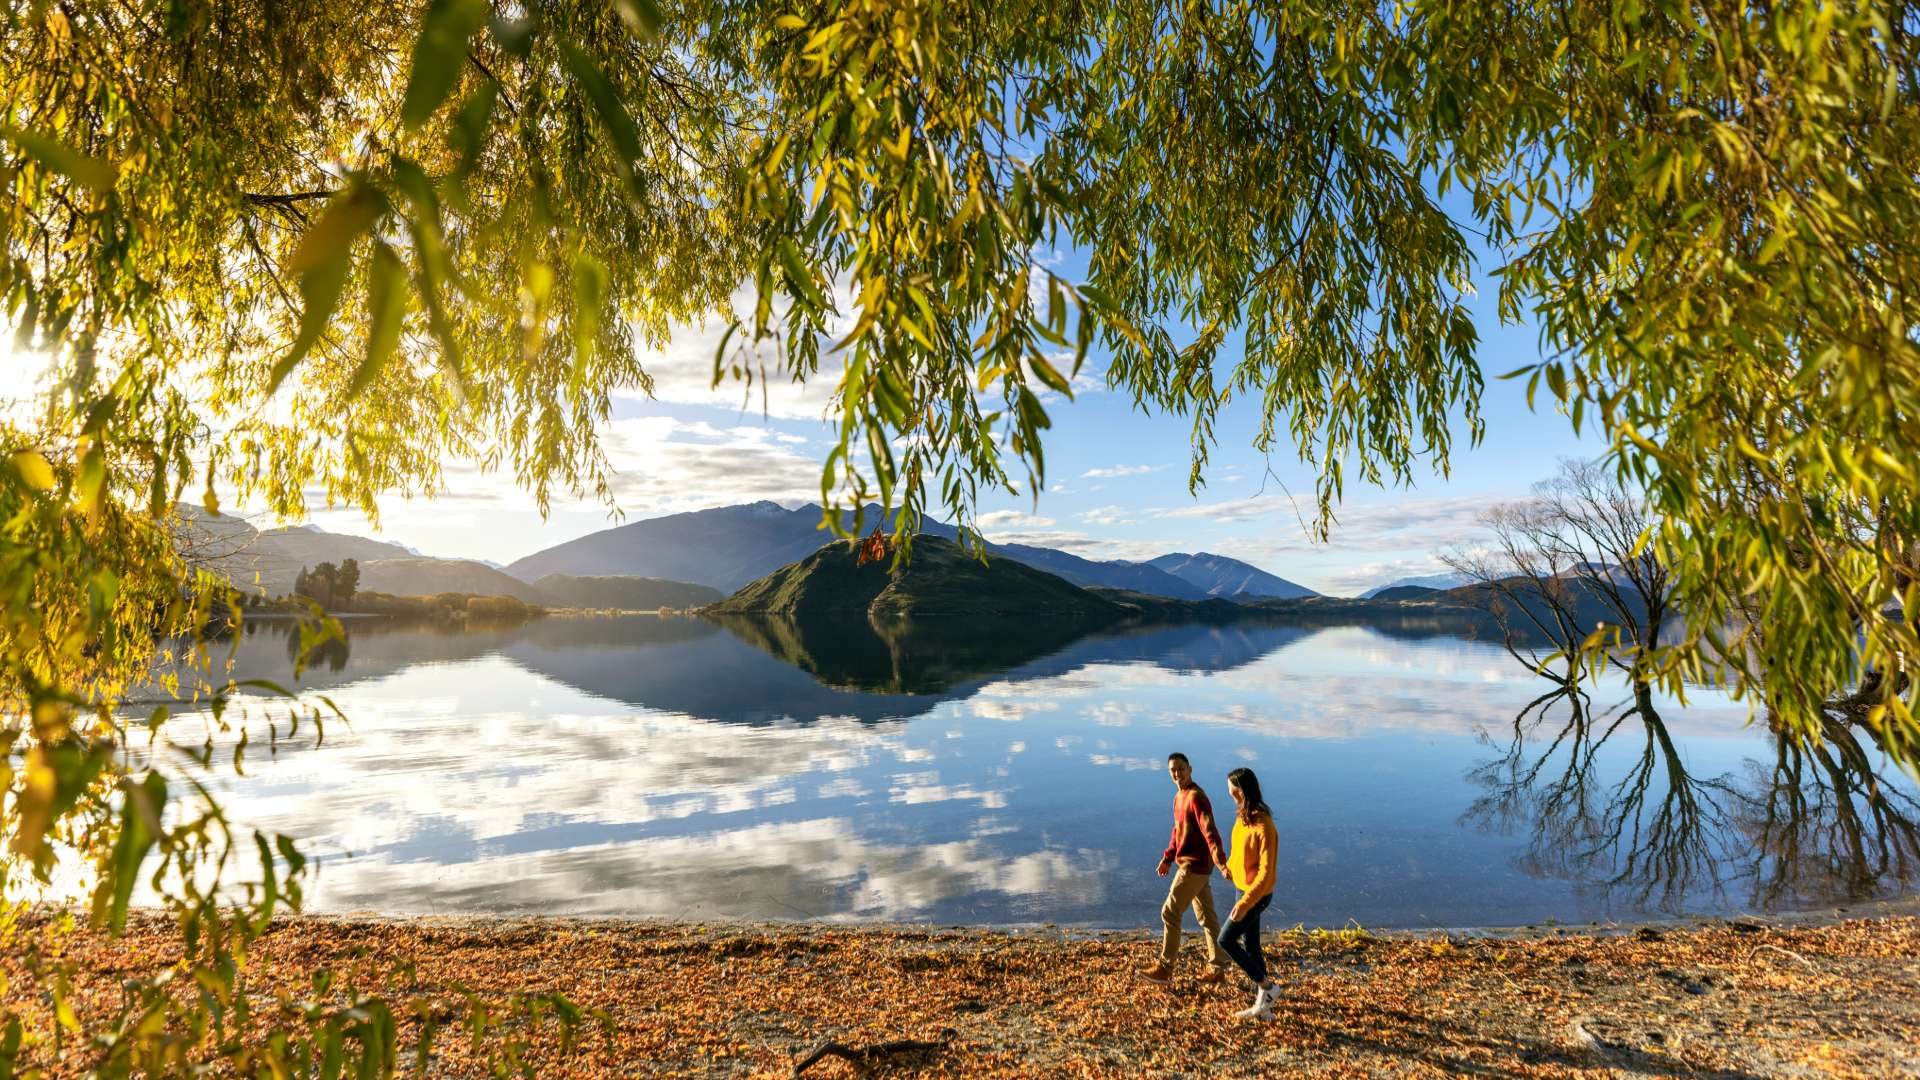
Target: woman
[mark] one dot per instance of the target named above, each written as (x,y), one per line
(1255,842)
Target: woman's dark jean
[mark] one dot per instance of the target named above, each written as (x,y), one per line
(1240,939)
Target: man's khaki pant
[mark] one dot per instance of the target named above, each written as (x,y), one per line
(1190,890)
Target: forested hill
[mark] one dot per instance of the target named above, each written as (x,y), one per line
(622,592)
(940,580)
(422,576)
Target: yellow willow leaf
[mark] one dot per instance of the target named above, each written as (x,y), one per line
(33,803)
(1890,463)
(33,469)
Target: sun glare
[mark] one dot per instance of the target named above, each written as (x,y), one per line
(23,377)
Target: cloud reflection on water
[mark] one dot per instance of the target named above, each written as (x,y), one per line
(648,768)
(820,868)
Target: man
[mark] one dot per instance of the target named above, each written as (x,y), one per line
(1189,850)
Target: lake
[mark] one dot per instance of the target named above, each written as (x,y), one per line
(671,767)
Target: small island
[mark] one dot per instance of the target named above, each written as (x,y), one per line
(941,579)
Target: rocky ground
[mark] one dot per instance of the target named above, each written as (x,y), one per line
(1727,999)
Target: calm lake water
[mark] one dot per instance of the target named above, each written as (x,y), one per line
(671,767)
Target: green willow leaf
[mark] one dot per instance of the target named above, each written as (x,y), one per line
(53,779)
(641,16)
(607,106)
(720,351)
(269,882)
(323,261)
(798,275)
(1049,374)
(386,311)
(140,828)
(1276,205)
(83,169)
(589,308)
(440,55)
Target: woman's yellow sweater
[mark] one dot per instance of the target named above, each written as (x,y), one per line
(1252,863)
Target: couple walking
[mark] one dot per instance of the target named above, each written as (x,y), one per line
(1191,854)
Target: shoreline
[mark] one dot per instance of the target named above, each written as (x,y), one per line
(1828,994)
(1893,907)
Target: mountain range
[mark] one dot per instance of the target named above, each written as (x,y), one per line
(1436,582)
(268,561)
(719,549)
(1221,576)
(728,547)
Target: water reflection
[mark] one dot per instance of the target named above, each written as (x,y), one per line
(821,868)
(917,656)
(1609,801)
(1826,826)
(653,766)
(324,654)
(793,670)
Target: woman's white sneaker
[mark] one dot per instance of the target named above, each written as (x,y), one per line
(1262,1008)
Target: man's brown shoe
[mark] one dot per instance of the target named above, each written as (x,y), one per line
(1212,975)
(1158,973)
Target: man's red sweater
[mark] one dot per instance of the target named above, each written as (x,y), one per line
(1194,833)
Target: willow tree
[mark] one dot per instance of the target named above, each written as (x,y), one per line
(281,249)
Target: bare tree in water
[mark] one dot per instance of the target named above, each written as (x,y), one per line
(1566,570)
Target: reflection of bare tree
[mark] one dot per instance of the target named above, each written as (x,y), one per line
(1608,801)
(1824,826)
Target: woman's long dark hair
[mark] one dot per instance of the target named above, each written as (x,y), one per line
(1249,786)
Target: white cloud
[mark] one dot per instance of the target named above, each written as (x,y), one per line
(822,868)
(1114,471)
(1016,519)
(1087,547)
(660,465)
(1107,515)
(1361,578)
(665,465)
(1238,510)
(1010,707)
(1114,713)
(682,371)
(1082,382)
(1416,524)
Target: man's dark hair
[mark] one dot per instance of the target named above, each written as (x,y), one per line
(1181,758)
